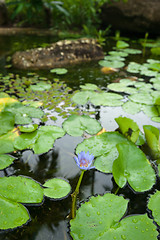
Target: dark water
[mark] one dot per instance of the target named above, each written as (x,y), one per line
(49,221)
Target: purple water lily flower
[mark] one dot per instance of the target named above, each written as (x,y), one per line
(84,160)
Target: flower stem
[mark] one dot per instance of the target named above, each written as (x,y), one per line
(74,196)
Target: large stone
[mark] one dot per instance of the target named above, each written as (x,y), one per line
(3,13)
(134,16)
(59,54)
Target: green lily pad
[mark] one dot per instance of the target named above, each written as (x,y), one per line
(21,189)
(144,98)
(25,140)
(121,44)
(133,166)
(152,137)
(5,160)
(132,51)
(106,99)
(82,97)
(150,111)
(107,224)
(99,145)
(118,53)
(114,58)
(7,121)
(41,86)
(111,64)
(76,125)
(133,67)
(56,188)
(153,205)
(59,70)
(46,136)
(128,128)
(28,128)
(89,86)
(13,214)
(22,118)
(131,107)
(104,162)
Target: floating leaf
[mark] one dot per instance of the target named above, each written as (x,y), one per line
(104,162)
(89,86)
(76,125)
(46,136)
(111,64)
(152,137)
(41,86)
(22,118)
(131,107)
(101,144)
(150,111)
(7,120)
(128,128)
(28,128)
(7,140)
(106,99)
(5,160)
(25,140)
(13,214)
(153,205)
(121,44)
(132,51)
(118,53)
(145,98)
(133,166)
(82,97)
(107,224)
(57,188)
(59,70)
(21,189)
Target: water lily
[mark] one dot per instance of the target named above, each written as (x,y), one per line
(84,160)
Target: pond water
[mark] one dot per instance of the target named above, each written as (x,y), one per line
(50,219)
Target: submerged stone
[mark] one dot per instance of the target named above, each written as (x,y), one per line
(59,54)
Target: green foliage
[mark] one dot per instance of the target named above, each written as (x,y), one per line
(153,205)
(110,223)
(13,214)
(5,160)
(76,125)
(128,128)
(56,188)
(133,166)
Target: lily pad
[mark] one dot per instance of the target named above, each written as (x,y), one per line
(13,214)
(56,188)
(131,107)
(5,160)
(76,125)
(41,86)
(152,137)
(111,64)
(132,51)
(153,205)
(21,189)
(144,98)
(101,144)
(118,53)
(28,128)
(133,166)
(59,70)
(107,224)
(128,128)
(104,162)
(82,97)
(7,121)
(89,86)
(121,44)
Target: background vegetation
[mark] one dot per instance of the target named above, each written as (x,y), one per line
(66,14)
